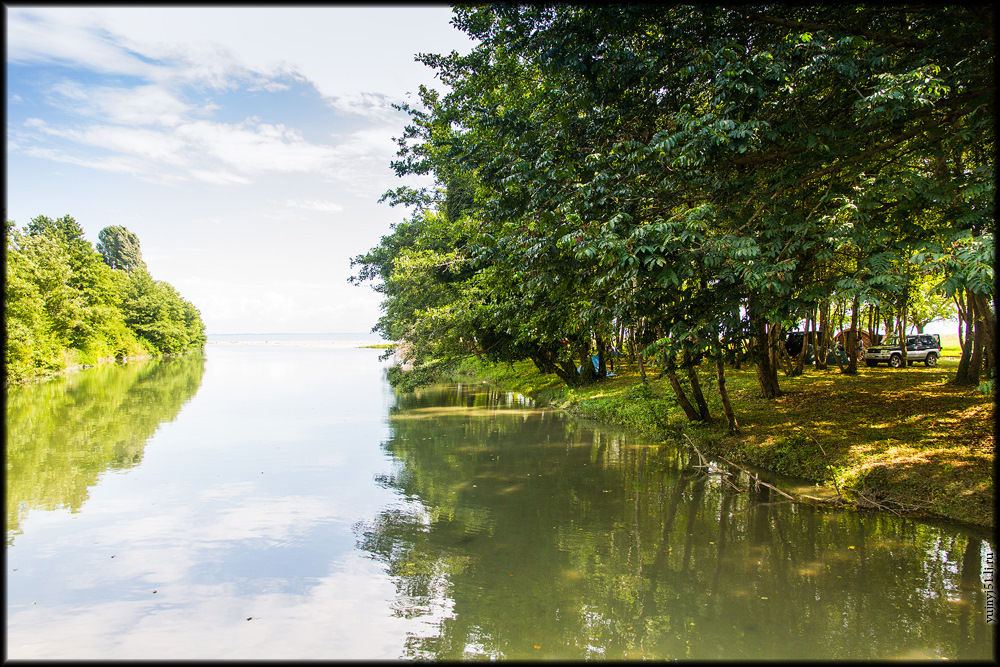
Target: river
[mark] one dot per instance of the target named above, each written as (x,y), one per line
(275,499)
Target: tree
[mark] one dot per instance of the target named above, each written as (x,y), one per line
(65,306)
(632,165)
(30,341)
(120,248)
(159,316)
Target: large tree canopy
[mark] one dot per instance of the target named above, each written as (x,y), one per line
(704,175)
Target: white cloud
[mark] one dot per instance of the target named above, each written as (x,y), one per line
(254,147)
(374,105)
(178,48)
(116,164)
(213,152)
(141,105)
(71,37)
(315,205)
(262,117)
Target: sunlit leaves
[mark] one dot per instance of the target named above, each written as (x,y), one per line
(64,305)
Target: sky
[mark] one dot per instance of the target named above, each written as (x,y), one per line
(246,147)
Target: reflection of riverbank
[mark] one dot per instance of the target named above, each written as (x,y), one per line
(62,434)
(523,534)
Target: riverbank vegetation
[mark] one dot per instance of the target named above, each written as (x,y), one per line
(683,186)
(68,304)
(907,441)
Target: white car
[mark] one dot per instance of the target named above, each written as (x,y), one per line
(919,347)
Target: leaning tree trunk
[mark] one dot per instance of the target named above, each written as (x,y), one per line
(547,363)
(727,407)
(682,399)
(699,398)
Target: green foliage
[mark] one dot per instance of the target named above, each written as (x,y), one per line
(159,316)
(120,248)
(64,305)
(690,174)
(637,409)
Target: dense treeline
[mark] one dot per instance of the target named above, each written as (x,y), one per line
(688,183)
(67,303)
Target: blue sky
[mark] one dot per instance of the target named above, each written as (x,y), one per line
(247,147)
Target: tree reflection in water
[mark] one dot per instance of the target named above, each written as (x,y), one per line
(523,534)
(63,433)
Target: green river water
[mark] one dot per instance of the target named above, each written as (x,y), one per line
(278,500)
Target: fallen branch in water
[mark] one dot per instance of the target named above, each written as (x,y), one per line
(839,500)
(754,476)
(864,500)
(888,504)
(725,475)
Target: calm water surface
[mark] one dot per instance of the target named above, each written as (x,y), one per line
(277,500)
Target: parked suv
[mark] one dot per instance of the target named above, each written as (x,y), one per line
(919,347)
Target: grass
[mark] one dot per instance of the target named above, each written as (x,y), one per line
(898,437)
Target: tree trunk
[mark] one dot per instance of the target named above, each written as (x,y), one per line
(822,348)
(587,372)
(602,351)
(962,375)
(960,306)
(814,335)
(986,320)
(801,361)
(545,363)
(763,356)
(902,326)
(976,362)
(682,399)
(774,340)
(727,407)
(620,338)
(638,359)
(851,342)
(699,398)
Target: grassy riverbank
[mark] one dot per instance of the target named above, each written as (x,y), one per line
(904,440)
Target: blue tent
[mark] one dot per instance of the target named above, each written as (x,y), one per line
(597,366)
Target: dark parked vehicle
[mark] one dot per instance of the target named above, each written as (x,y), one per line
(793,342)
(919,347)
(793,345)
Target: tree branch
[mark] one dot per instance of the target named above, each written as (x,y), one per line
(895,40)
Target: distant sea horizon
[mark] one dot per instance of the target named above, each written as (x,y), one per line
(327,337)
